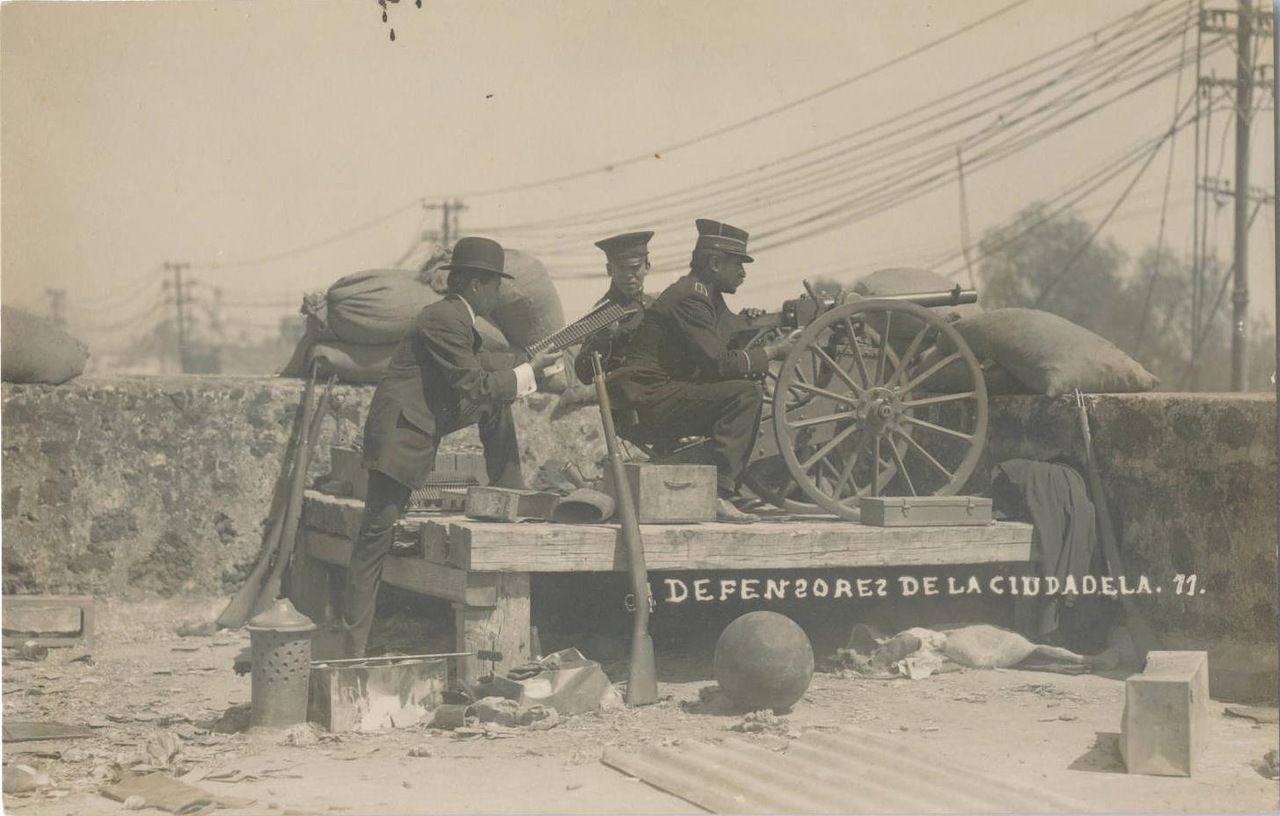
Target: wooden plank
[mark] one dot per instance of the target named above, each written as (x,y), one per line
(489,547)
(414,574)
(48,620)
(503,627)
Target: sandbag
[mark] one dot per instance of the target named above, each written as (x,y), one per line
(365,363)
(33,350)
(528,306)
(1051,355)
(373,307)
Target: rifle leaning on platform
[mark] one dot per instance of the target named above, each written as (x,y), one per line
(642,682)
(1144,637)
(289,536)
(242,606)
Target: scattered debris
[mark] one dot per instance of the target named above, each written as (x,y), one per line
(760,721)
(17,731)
(421,751)
(1269,765)
(1258,714)
(197,629)
(497,710)
(161,752)
(134,802)
(164,792)
(300,735)
(30,650)
(22,778)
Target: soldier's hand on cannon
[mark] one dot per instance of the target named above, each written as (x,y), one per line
(779,347)
(751,313)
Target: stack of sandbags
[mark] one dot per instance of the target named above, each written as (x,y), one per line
(1043,353)
(354,327)
(33,350)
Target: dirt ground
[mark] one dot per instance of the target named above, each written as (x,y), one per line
(141,681)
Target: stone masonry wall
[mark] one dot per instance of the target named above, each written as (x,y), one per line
(123,486)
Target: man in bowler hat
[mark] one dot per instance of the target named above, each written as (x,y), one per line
(438,381)
(681,375)
(627,262)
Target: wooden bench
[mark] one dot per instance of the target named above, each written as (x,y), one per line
(483,568)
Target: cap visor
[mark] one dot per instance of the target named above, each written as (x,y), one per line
(744,256)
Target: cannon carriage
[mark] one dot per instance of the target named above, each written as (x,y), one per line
(877,396)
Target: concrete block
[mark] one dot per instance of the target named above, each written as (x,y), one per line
(49,620)
(1165,726)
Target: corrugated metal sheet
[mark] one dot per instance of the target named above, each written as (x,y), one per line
(838,771)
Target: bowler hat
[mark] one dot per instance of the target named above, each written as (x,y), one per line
(723,238)
(478,254)
(627,246)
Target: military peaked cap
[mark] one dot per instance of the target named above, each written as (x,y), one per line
(722,237)
(627,246)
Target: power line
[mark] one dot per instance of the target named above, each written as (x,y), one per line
(923,116)
(668,149)
(613,166)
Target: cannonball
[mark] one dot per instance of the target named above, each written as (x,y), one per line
(764,660)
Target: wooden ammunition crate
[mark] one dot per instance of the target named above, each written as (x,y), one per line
(670,494)
(505,504)
(377,695)
(925,511)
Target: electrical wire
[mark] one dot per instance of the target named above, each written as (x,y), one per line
(1168,183)
(1176,63)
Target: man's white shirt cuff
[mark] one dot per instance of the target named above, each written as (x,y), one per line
(526,382)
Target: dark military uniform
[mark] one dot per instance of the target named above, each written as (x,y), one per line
(682,379)
(611,343)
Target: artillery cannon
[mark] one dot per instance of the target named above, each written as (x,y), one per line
(878,396)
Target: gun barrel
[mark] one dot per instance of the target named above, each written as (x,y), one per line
(953,297)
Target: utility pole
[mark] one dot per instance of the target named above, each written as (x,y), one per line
(1244,110)
(449,223)
(180,308)
(1248,20)
(57,307)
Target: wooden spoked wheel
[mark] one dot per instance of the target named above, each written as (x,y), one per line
(767,474)
(896,405)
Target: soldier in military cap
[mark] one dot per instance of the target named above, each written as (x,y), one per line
(680,375)
(627,262)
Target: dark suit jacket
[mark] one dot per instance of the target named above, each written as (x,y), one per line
(437,378)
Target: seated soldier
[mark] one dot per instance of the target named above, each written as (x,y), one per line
(627,262)
(679,374)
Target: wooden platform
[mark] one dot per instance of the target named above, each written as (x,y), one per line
(484,568)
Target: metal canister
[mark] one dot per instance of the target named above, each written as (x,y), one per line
(280,640)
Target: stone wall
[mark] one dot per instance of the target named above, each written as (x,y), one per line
(1191,482)
(160,485)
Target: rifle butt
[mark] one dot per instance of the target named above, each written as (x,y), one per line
(642,680)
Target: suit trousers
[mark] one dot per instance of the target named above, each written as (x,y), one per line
(387,499)
(727,412)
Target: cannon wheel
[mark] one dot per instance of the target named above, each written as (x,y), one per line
(766,475)
(901,409)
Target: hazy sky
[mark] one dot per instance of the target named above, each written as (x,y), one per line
(252,139)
